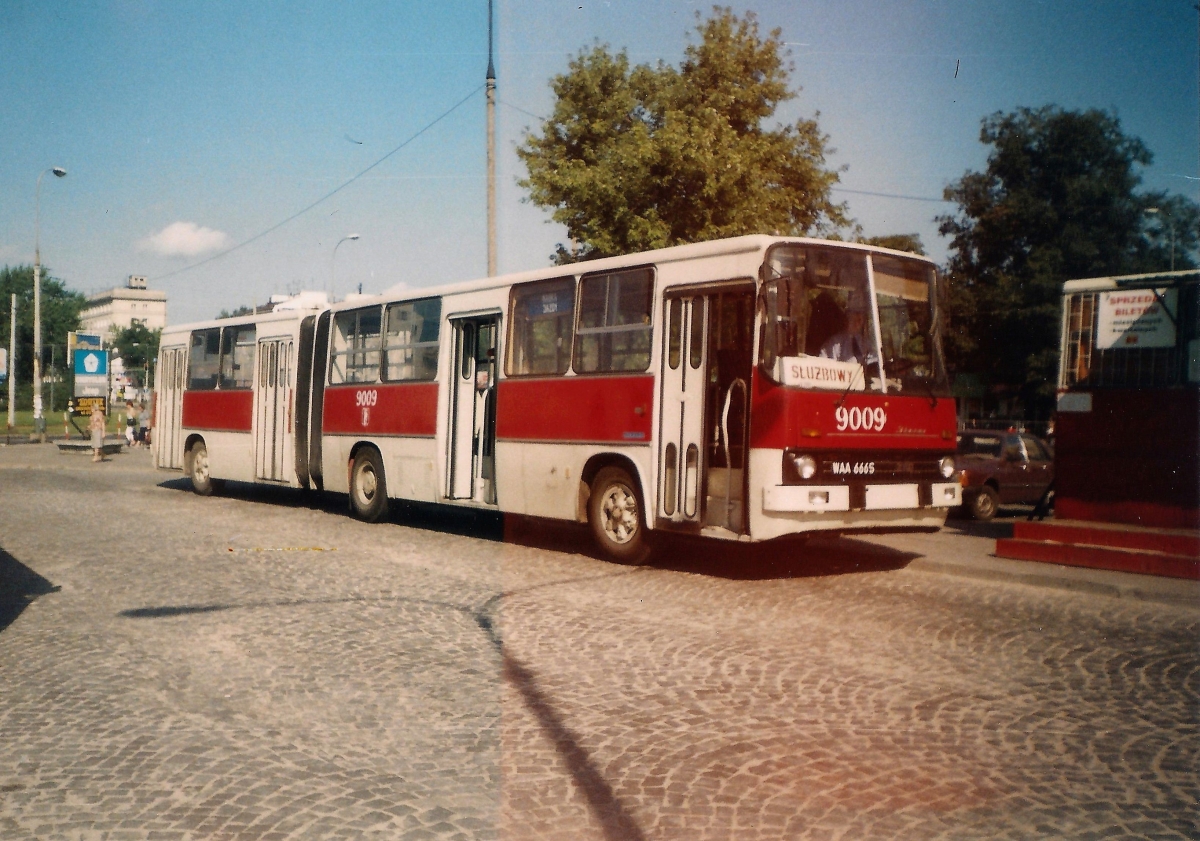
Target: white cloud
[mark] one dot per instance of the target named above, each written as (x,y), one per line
(184,239)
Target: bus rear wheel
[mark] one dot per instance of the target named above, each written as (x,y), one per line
(368,493)
(615,515)
(196,467)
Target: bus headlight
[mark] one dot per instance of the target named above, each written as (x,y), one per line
(946,466)
(806,466)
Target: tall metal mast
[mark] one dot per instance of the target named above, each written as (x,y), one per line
(491,153)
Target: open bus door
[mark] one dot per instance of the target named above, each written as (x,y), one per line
(471,438)
(705,404)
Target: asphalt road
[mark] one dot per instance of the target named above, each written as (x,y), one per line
(260,666)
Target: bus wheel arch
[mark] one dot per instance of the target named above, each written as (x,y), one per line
(367,483)
(616,510)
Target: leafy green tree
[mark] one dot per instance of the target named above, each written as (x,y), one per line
(643,157)
(60,315)
(1058,200)
(137,346)
(900,242)
(242,310)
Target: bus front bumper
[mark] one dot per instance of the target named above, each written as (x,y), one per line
(889,497)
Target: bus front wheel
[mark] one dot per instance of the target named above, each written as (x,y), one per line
(615,515)
(368,493)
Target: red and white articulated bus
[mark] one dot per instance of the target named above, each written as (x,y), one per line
(747,389)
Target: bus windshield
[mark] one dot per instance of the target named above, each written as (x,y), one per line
(820,328)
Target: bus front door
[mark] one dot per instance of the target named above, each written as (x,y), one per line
(705,403)
(682,455)
(471,438)
(270,414)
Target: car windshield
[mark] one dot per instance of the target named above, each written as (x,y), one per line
(980,445)
(820,328)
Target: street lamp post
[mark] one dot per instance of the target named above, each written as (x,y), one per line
(333,264)
(39,420)
(1170,227)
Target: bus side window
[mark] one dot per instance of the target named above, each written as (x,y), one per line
(204,360)
(411,341)
(356,346)
(237,356)
(614,321)
(543,324)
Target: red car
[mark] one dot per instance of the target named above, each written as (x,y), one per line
(1002,468)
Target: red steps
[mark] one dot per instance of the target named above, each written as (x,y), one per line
(1173,553)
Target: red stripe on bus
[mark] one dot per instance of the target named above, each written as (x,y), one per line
(783,417)
(616,409)
(226,411)
(381,409)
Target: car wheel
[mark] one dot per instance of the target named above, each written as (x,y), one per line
(615,515)
(368,493)
(196,467)
(985,504)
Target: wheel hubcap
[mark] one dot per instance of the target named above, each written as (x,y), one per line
(620,514)
(367,484)
(200,468)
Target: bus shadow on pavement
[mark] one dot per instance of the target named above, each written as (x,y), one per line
(466,522)
(789,557)
(19,585)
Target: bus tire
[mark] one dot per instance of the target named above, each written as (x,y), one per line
(616,517)
(368,492)
(196,467)
(985,504)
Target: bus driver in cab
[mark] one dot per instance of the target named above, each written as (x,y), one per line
(851,345)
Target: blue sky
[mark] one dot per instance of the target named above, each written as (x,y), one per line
(188,128)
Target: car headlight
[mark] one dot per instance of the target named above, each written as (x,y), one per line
(806,466)
(946,466)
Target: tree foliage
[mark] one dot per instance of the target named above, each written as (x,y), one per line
(60,315)
(644,157)
(234,313)
(1058,200)
(137,346)
(899,242)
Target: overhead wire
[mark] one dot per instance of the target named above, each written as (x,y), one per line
(328,195)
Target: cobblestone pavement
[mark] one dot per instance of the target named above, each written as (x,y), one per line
(261,666)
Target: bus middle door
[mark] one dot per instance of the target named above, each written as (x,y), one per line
(274,379)
(471,442)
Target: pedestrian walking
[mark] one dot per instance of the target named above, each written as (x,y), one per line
(130,423)
(143,433)
(97,425)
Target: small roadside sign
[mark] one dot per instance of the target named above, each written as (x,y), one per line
(3,364)
(91,373)
(83,341)
(86,405)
